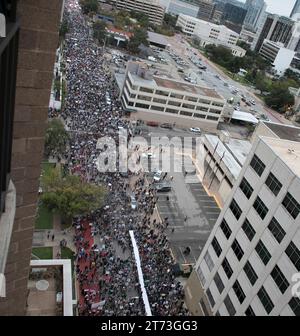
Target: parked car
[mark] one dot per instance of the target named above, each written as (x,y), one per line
(163,187)
(133,202)
(166,125)
(195,129)
(157,176)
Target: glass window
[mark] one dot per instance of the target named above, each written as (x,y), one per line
(204,101)
(225,228)
(201,108)
(144,98)
(209,261)
(248,229)
(229,306)
(212,118)
(157,108)
(273,184)
(197,115)
(216,246)
(295,305)
(239,291)
(174,103)
(192,99)
(215,111)
(144,106)
(276,230)
(189,114)
(188,106)
(218,104)
(246,188)
(251,274)
(227,268)
(204,308)
(291,205)
(201,276)
(144,89)
(249,311)
(257,165)
(175,95)
(279,279)
(210,298)
(260,208)
(263,252)
(294,254)
(236,210)
(265,300)
(162,93)
(236,247)
(171,111)
(219,283)
(160,101)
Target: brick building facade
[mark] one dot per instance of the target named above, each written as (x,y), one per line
(39,27)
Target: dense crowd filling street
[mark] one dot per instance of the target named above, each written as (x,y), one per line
(105,264)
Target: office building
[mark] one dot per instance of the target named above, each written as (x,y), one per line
(206,10)
(280,57)
(26,68)
(152,8)
(253,251)
(255,11)
(277,29)
(164,100)
(233,17)
(210,33)
(176,7)
(296,10)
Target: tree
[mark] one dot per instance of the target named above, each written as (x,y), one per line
(56,138)
(140,36)
(63,29)
(261,83)
(89,6)
(99,30)
(280,98)
(142,18)
(70,196)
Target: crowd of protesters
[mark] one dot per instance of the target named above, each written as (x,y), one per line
(105,263)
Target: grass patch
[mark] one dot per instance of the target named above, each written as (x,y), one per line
(43,252)
(44,219)
(46,166)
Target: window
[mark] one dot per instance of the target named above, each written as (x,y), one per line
(157,108)
(162,93)
(225,228)
(265,300)
(237,249)
(189,114)
(294,254)
(257,165)
(192,99)
(229,306)
(143,89)
(219,283)
(177,96)
(201,108)
(239,291)
(295,305)
(201,276)
(260,208)
(202,116)
(215,244)
(203,307)
(249,311)
(263,252)
(215,111)
(212,118)
(276,230)
(252,276)
(210,298)
(132,95)
(204,101)
(174,103)
(291,205)
(160,101)
(169,110)
(279,279)
(227,268)
(273,184)
(140,97)
(188,106)
(217,313)
(209,261)
(144,106)
(248,229)
(246,188)
(236,210)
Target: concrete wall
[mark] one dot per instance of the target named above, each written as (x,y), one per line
(38,42)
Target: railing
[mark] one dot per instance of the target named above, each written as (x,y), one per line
(8,70)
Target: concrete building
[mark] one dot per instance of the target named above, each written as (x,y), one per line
(176,7)
(233,17)
(26,69)
(296,10)
(152,8)
(206,10)
(165,100)
(255,12)
(280,57)
(210,33)
(247,264)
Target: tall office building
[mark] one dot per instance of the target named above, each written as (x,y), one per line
(255,11)
(253,251)
(26,72)
(296,10)
(206,9)
(233,17)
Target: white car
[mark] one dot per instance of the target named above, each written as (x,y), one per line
(157,176)
(195,129)
(133,202)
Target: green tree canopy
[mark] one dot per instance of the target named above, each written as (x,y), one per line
(140,36)
(56,138)
(70,196)
(280,98)
(99,30)
(63,29)
(89,6)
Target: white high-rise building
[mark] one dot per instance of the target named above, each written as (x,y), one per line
(253,251)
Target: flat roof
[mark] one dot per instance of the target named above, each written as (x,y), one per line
(183,86)
(288,151)
(157,38)
(239,149)
(286,132)
(244,116)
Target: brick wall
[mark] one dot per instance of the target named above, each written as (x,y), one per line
(38,42)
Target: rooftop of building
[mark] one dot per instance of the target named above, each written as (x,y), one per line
(288,151)
(285,132)
(157,38)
